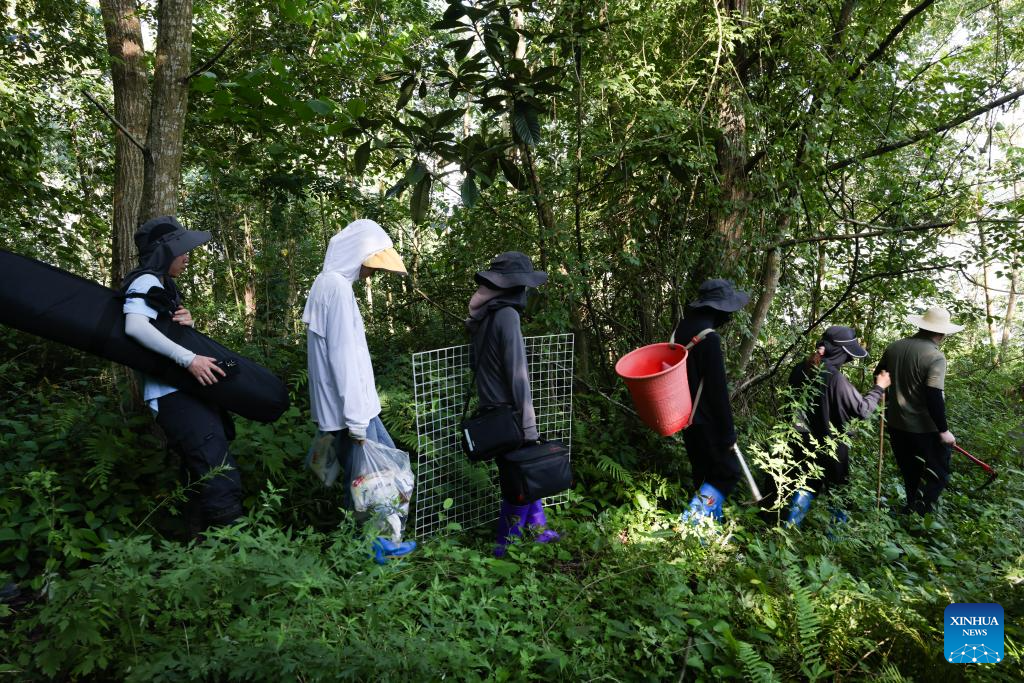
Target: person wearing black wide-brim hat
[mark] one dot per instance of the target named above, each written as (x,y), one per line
(831,402)
(200,432)
(502,376)
(711,435)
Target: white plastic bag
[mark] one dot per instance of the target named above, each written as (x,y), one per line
(382,484)
(322,458)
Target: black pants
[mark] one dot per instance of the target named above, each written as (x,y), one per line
(924,463)
(835,470)
(711,462)
(197,431)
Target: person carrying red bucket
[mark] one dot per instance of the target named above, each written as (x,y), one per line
(662,378)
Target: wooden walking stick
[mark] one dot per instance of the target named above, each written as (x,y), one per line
(881,446)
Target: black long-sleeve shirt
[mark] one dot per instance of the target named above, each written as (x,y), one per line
(836,402)
(705,361)
(502,375)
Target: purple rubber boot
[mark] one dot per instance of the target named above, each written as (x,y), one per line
(510,525)
(536,519)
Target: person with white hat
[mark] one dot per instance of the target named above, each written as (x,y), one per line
(916,412)
(342,392)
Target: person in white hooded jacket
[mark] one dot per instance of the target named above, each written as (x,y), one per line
(342,393)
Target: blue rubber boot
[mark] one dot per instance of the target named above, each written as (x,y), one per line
(839,521)
(510,525)
(707,503)
(385,549)
(799,507)
(537,521)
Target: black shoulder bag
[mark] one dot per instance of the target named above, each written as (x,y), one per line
(492,430)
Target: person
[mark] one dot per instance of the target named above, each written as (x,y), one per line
(342,393)
(833,402)
(197,430)
(502,376)
(916,412)
(711,436)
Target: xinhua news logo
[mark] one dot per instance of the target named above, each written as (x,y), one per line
(974,633)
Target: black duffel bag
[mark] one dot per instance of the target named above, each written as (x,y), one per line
(534,472)
(60,306)
(490,432)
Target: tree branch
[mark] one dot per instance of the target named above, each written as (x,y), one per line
(891,38)
(209,62)
(893,146)
(872,233)
(117,123)
(758,379)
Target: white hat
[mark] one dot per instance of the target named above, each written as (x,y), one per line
(935,319)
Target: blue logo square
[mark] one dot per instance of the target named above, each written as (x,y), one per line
(974,633)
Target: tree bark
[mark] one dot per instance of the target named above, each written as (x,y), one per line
(1011,307)
(167,112)
(732,152)
(131,108)
(989,320)
(769,283)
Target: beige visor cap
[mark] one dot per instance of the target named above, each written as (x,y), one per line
(386,259)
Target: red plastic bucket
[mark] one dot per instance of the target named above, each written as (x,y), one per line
(656,378)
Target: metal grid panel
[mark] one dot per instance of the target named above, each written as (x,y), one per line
(441,379)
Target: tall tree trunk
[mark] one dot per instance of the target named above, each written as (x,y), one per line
(249,294)
(769,283)
(1011,307)
(167,112)
(989,319)
(131,107)
(732,152)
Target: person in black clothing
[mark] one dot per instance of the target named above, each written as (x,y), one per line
(711,436)
(199,431)
(832,403)
(502,376)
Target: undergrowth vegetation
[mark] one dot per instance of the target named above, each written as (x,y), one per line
(88,527)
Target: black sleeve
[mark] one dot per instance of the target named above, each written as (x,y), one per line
(851,402)
(883,362)
(936,403)
(716,390)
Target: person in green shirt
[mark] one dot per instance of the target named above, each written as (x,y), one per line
(916,411)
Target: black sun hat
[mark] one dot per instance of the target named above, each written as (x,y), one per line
(720,295)
(844,338)
(166,230)
(511,269)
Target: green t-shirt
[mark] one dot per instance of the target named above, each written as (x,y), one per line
(913,363)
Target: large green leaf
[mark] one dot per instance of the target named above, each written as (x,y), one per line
(320,106)
(356,108)
(526,123)
(514,176)
(470,192)
(362,157)
(419,200)
(405,92)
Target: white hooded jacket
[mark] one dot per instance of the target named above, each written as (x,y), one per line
(342,392)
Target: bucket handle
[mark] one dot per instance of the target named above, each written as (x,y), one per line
(693,342)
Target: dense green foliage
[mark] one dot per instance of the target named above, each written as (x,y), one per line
(836,159)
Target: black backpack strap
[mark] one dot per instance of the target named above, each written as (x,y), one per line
(472,366)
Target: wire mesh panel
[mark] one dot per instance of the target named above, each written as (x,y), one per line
(443,473)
